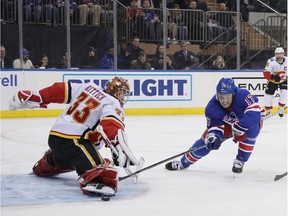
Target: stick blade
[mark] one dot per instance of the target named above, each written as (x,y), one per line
(278,177)
(140,165)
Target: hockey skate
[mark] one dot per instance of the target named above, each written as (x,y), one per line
(264,113)
(281,111)
(174,165)
(237,166)
(98,189)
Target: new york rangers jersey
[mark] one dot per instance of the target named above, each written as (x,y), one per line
(274,67)
(244,109)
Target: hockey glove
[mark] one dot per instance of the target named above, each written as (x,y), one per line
(238,132)
(212,141)
(275,78)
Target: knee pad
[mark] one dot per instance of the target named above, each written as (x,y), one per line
(47,166)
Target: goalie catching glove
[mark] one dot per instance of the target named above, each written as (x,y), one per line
(26,100)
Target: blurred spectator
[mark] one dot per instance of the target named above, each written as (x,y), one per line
(151,22)
(44,62)
(89,7)
(169,63)
(130,20)
(176,26)
(184,58)
(5,61)
(202,5)
(244,7)
(221,22)
(31,10)
(90,59)
(181,3)
(107,62)
(26,64)
(218,63)
(50,11)
(141,63)
(231,4)
(158,56)
(72,8)
(133,50)
(62,63)
(195,21)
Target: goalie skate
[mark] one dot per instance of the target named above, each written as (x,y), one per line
(281,112)
(98,189)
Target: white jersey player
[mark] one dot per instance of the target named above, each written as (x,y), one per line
(75,138)
(276,74)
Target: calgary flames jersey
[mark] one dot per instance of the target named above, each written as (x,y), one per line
(273,67)
(89,106)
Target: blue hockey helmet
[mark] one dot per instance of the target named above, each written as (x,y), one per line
(225,91)
(226,86)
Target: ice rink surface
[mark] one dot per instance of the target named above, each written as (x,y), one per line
(204,189)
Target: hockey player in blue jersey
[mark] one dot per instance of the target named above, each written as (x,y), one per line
(231,113)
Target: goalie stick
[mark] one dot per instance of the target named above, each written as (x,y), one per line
(139,163)
(277,177)
(161,162)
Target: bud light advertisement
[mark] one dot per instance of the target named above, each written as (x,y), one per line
(145,87)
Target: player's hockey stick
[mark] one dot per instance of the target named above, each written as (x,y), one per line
(277,177)
(161,162)
(272,114)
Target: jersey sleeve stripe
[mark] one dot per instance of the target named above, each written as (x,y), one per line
(254,107)
(68,92)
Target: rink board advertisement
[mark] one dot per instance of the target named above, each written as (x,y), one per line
(173,92)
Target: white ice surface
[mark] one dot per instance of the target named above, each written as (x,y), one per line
(207,188)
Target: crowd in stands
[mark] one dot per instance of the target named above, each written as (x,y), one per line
(133,58)
(188,21)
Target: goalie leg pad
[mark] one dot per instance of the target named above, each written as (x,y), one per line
(47,166)
(102,180)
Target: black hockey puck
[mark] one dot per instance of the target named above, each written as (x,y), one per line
(105,198)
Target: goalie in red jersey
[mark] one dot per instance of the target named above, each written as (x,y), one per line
(74,140)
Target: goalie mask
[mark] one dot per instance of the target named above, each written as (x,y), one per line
(118,88)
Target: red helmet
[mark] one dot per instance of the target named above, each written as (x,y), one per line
(118,88)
